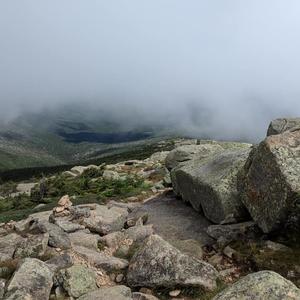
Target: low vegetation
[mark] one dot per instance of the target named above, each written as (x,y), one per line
(86,188)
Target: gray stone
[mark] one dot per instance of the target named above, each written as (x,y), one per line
(23,226)
(231,232)
(57,237)
(78,170)
(33,246)
(59,262)
(104,220)
(8,245)
(210,184)
(269,184)
(113,240)
(68,226)
(84,239)
(158,264)
(129,206)
(159,156)
(78,280)
(139,233)
(101,260)
(185,153)
(276,246)
(141,296)
(110,175)
(79,212)
(229,252)
(118,292)
(278,126)
(32,280)
(264,285)
(42,216)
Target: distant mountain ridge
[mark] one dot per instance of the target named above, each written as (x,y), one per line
(66,135)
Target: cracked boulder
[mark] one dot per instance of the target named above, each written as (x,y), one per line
(269,184)
(32,280)
(158,264)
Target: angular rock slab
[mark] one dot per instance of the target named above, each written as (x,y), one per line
(85,239)
(104,220)
(210,184)
(270,183)
(32,280)
(119,292)
(264,285)
(101,260)
(158,264)
(278,126)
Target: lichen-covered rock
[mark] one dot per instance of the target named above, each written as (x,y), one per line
(33,246)
(77,280)
(118,292)
(32,280)
(8,245)
(269,184)
(104,220)
(158,264)
(264,285)
(278,126)
(210,184)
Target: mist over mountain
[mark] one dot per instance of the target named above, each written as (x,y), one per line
(206,68)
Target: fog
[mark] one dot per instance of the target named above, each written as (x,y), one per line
(221,69)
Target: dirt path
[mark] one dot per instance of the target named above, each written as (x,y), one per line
(177,223)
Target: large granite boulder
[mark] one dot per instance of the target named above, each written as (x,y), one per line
(278,126)
(269,184)
(158,264)
(210,184)
(32,280)
(264,285)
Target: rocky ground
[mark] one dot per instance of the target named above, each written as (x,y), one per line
(221,222)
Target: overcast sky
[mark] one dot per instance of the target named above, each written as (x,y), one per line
(222,68)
